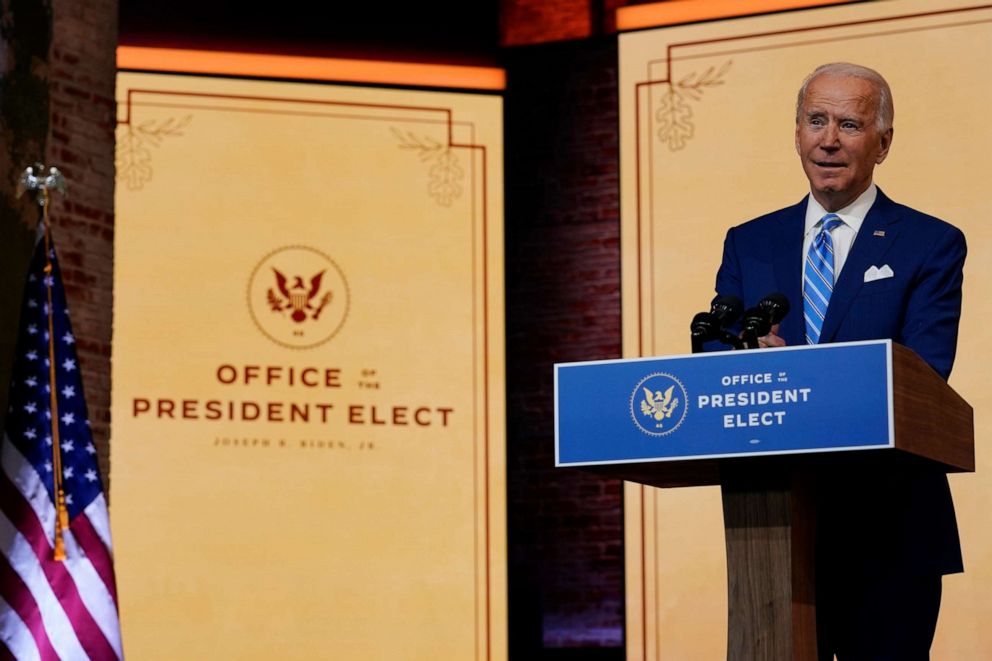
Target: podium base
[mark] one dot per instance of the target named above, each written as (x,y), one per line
(770,526)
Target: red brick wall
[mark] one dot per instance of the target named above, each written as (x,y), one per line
(539,21)
(563,304)
(82,70)
(528,22)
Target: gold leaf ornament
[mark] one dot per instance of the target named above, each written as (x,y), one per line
(674,119)
(445,172)
(133,156)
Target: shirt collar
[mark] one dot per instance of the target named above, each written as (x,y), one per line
(852,215)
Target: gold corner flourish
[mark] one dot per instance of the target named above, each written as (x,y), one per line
(674,120)
(445,173)
(134,148)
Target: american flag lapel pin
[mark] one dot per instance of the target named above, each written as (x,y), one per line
(879,233)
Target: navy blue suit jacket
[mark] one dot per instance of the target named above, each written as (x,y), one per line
(899,519)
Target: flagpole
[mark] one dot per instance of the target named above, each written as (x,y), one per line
(29,181)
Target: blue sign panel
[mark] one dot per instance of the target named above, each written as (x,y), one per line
(768,401)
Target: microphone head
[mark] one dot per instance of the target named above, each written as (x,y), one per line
(705,326)
(776,305)
(727,309)
(757,321)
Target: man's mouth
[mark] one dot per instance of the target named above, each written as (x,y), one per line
(828,164)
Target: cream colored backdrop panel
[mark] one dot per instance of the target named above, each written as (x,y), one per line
(707,142)
(308,419)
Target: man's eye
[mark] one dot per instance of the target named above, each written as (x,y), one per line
(816,121)
(849,126)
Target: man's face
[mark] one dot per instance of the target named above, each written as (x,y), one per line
(838,140)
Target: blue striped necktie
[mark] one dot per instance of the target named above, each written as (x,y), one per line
(818,277)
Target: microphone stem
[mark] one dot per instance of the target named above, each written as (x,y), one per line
(729,338)
(697,343)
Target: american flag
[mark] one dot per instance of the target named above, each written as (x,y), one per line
(52,609)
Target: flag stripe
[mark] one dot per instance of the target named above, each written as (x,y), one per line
(18,635)
(92,546)
(94,594)
(20,472)
(16,594)
(27,482)
(97,511)
(22,516)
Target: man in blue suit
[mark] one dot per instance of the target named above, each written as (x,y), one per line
(860,267)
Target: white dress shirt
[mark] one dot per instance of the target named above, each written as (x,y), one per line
(844,234)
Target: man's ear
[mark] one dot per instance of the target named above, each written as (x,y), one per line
(885,143)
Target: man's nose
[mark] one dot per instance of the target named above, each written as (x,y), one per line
(830,138)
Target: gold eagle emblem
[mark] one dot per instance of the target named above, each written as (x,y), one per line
(298,297)
(659,405)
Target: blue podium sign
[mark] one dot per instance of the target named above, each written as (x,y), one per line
(734,403)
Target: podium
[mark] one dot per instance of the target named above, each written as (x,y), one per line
(759,423)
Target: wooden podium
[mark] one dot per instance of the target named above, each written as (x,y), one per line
(905,413)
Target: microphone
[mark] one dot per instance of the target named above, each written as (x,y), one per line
(758,321)
(777,306)
(727,309)
(705,326)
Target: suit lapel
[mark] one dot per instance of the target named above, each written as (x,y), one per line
(788,270)
(874,238)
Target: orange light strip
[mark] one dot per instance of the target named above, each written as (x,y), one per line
(674,12)
(311,68)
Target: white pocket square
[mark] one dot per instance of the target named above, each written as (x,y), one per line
(878,273)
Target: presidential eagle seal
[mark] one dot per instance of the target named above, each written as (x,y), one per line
(298,297)
(658,404)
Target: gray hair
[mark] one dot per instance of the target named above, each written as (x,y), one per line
(885,111)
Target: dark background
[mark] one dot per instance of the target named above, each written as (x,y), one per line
(464,31)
